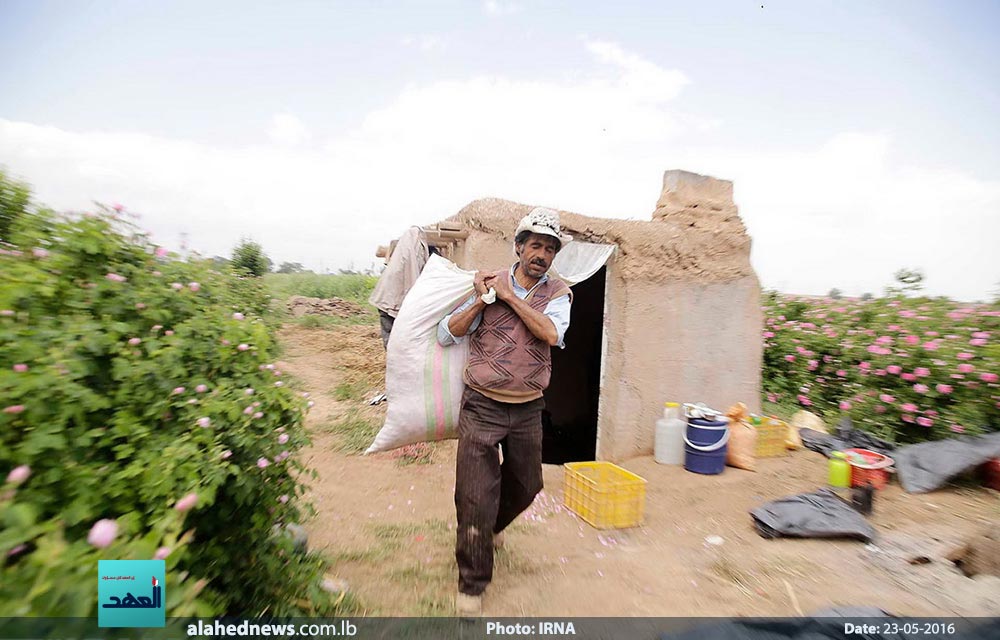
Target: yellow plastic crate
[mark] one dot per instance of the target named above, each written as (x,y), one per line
(771,436)
(604,494)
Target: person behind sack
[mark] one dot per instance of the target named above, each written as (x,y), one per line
(403,269)
(508,369)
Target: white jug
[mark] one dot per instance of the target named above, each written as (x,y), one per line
(668,446)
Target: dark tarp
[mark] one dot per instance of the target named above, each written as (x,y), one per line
(930,465)
(845,436)
(811,515)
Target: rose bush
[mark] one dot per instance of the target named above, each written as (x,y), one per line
(139,390)
(908,369)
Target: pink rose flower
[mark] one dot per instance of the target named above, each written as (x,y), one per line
(930,346)
(283,438)
(909,407)
(944,388)
(20,368)
(168,332)
(248,411)
(176,286)
(187,502)
(283,499)
(921,372)
(894,369)
(194,286)
(258,415)
(957,428)
(924,422)
(865,365)
(134,342)
(262,463)
(204,422)
(14,409)
(227,454)
(965,356)
(310,404)
(980,335)
(880,408)
(177,391)
(841,373)
(920,388)
(243,346)
(103,533)
(907,417)
(768,334)
(912,339)
(161,553)
(886,398)
(201,388)
(19,474)
(965,367)
(238,316)
(161,252)
(845,405)
(909,377)
(977,342)
(880,372)
(989,377)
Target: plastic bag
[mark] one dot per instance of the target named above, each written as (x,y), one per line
(806,420)
(742,439)
(423,379)
(930,465)
(821,514)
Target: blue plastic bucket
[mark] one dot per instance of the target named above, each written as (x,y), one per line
(705,446)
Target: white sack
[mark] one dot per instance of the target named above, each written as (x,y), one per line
(423,380)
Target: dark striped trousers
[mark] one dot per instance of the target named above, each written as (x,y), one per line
(490,495)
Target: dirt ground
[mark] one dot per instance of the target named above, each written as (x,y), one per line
(387,521)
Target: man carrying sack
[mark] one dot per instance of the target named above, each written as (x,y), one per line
(513,320)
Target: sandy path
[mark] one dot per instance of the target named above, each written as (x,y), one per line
(389,530)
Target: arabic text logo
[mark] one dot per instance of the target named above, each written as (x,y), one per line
(130,593)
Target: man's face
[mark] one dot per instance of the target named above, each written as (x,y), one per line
(537,254)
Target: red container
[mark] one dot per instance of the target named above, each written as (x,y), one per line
(874,469)
(991,474)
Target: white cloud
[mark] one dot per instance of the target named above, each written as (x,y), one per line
(844,214)
(500,7)
(426,43)
(288,130)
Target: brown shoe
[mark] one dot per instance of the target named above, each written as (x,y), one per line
(468,606)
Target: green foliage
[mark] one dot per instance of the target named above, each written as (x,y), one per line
(291,267)
(908,369)
(249,259)
(910,281)
(14,200)
(129,380)
(355,287)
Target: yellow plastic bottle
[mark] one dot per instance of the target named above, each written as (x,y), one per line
(840,470)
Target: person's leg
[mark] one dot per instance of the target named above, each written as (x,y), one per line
(521,472)
(482,423)
(385,327)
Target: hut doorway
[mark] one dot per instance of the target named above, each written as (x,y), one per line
(569,420)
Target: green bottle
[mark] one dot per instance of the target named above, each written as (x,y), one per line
(840,470)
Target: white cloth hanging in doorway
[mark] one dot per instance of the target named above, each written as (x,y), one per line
(577,261)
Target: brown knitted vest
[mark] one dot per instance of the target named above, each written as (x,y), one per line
(506,361)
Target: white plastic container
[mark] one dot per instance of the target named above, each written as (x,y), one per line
(668,445)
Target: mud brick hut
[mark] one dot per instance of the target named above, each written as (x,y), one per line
(666,309)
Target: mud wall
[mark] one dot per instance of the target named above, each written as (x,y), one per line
(683,319)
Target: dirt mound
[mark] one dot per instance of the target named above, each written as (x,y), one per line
(301,306)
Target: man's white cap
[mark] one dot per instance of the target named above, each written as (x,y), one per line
(545,222)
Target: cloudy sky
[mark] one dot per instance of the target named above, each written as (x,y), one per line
(862,137)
